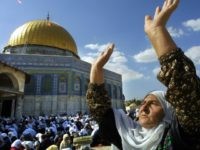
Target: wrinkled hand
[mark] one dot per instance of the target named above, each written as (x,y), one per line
(161,16)
(96,74)
(104,57)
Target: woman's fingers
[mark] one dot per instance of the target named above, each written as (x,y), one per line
(148,19)
(164,4)
(104,57)
(175,3)
(170,4)
(157,11)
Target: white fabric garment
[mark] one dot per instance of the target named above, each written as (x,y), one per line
(28,144)
(135,137)
(39,137)
(16,143)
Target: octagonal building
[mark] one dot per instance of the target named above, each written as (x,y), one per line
(58,77)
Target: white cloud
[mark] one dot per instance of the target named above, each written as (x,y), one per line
(92,46)
(146,56)
(127,73)
(96,47)
(193,24)
(175,32)
(118,57)
(194,54)
(117,62)
(93,54)
(88,59)
(156,70)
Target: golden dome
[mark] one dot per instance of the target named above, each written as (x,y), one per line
(45,33)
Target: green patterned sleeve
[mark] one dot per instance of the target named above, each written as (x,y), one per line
(178,74)
(98,101)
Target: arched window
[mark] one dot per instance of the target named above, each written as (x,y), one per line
(47,82)
(114,91)
(30,88)
(77,86)
(62,85)
(5,81)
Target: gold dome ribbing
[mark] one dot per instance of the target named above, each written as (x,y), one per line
(43,32)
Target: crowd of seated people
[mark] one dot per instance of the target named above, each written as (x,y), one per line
(47,132)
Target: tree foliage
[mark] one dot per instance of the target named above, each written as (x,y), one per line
(133,101)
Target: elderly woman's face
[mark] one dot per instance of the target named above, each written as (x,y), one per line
(150,112)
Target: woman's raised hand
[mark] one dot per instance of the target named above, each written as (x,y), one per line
(96,74)
(161,16)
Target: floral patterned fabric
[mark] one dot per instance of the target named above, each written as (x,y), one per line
(98,101)
(183,89)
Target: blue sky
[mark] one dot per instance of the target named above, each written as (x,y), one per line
(95,23)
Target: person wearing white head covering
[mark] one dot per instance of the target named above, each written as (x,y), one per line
(28,145)
(39,137)
(165,121)
(166,106)
(66,142)
(17,145)
(147,134)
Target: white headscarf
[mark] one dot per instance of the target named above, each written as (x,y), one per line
(28,144)
(17,143)
(167,108)
(138,138)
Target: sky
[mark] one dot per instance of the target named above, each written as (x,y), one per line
(95,23)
